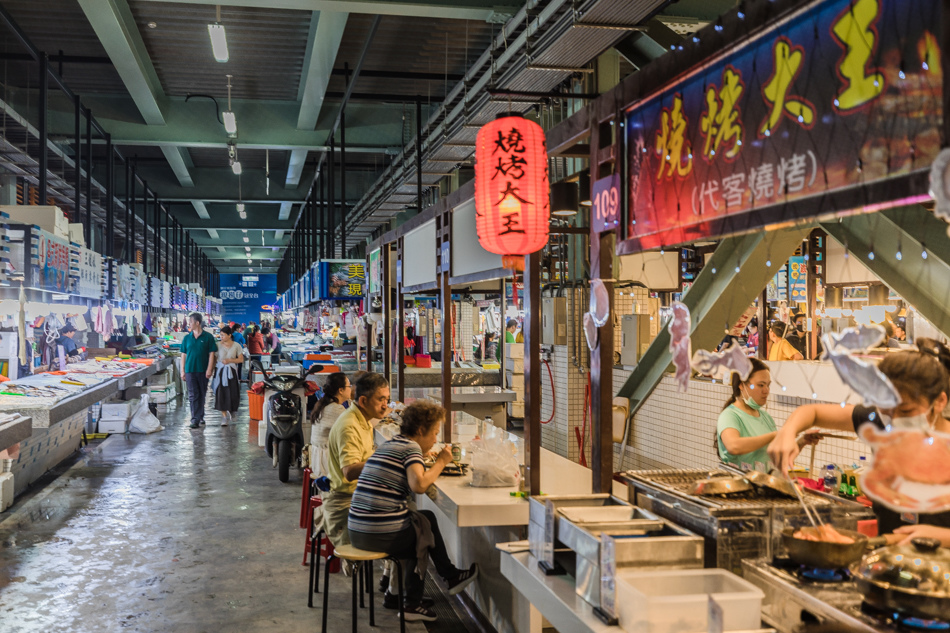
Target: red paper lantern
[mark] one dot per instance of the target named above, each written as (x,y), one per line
(511,186)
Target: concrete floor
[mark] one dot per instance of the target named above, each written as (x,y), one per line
(181,530)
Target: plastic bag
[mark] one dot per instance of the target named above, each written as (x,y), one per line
(142,419)
(494,462)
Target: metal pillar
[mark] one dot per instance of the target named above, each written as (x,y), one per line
(531,328)
(601,366)
(131,225)
(166,236)
(331,198)
(324,224)
(419,154)
(145,227)
(343,183)
(110,198)
(77,157)
(87,224)
(443,234)
(44,128)
(385,259)
(401,330)
(156,249)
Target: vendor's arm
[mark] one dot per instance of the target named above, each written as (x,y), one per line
(785,447)
(738,445)
(420,479)
(921,530)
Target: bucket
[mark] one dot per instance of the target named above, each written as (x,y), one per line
(255,403)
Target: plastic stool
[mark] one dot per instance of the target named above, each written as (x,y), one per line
(360,557)
(305,497)
(308,548)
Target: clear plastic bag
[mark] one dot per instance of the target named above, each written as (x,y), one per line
(142,419)
(495,461)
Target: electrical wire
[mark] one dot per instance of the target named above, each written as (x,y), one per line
(553,397)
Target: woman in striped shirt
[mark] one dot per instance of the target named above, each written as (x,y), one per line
(381,519)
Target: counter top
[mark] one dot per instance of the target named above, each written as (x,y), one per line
(466,395)
(15,431)
(553,596)
(468,506)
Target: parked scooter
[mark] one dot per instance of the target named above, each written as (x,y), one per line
(284,411)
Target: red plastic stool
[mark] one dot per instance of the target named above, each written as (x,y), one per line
(314,503)
(305,496)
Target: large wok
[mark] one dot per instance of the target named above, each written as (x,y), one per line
(912,578)
(823,555)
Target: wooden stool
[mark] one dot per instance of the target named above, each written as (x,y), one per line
(360,557)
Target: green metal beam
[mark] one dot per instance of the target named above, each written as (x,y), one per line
(326,33)
(486,10)
(371,127)
(911,230)
(717,299)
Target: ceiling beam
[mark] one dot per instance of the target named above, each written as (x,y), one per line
(326,33)
(486,10)
(201,209)
(117,31)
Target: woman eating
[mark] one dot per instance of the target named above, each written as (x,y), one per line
(745,428)
(922,379)
(336,391)
(226,387)
(779,348)
(381,519)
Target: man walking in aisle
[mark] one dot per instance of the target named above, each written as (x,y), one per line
(349,446)
(197,366)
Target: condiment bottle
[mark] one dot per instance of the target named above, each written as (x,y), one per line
(830,479)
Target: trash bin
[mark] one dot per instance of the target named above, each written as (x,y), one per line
(256,405)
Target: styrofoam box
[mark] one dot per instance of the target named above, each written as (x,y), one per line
(261,434)
(113,426)
(116,410)
(48,218)
(164,396)
(677,600)
(76,233)
(515,364)
(515,381)
(516,409)
(515,350)
(162,378)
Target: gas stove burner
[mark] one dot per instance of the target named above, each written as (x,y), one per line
(817,574)
(905,621)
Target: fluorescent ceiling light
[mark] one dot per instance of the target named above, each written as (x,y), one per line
(247,239)
(240,207)
(230,122)
(243,215)
(243,230)
(248,261)
(250,270)
(219,42)
(236,167)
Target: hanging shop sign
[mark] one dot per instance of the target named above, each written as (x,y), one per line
(798,279)
(788,125)
(511,186)
(375,271)
(605,204)
(243,296)
(342,279)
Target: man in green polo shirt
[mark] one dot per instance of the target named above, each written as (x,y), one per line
(197,366)
(349,446)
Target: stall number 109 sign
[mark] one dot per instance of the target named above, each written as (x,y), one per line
(606,203)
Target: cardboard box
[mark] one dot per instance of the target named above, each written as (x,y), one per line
(164,378)
(515,350)
(113,426)
(515,381)
(50,219)
(516,409)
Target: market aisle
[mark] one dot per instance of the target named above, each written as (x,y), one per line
(176,531)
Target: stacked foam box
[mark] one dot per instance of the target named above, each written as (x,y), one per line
(161,387)
(514,378)
(115,416)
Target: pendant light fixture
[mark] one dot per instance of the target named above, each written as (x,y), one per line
(583,189)
(219,41)
(230,122)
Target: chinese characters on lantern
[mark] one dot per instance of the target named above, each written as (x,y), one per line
(511,186)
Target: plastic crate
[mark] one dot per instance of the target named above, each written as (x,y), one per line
(424,361)
(255,404)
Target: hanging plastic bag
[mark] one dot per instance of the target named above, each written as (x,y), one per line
(142,419)
(494,462)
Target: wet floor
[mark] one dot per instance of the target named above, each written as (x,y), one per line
(179,531)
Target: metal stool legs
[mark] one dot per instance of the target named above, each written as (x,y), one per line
(402,601)
(356,572)
(369,588)
(326,593)
(313,571)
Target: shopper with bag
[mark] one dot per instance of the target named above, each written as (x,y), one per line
(226,386)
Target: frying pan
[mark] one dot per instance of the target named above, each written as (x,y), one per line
(720,483)
(828,555)
(762,480)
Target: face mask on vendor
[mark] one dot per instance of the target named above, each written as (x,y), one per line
(921,421)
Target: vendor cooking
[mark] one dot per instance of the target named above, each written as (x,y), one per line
(922,379)
(745,428)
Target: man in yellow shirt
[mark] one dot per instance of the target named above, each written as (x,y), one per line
(779,348)
(349,446)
